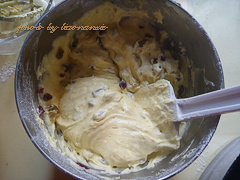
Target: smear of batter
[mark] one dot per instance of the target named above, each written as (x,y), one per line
(107,91)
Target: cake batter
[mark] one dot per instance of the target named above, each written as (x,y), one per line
(107,94)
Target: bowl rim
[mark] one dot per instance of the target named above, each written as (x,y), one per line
(197,154)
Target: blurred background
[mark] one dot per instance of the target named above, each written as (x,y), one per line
(19,159)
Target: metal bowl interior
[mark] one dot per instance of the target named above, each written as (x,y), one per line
(180,25)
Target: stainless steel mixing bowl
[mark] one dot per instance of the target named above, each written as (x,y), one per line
(181,27)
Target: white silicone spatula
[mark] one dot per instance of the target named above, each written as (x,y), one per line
(212,103)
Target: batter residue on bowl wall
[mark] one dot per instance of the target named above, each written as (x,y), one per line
(106,95)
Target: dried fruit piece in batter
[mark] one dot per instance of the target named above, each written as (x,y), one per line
(40,110)
(82,165)
(122,84)
(60,52)
(47,97)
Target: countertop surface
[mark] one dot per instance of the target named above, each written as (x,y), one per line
(19,159)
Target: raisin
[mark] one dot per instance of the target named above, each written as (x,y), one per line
(163,58)
(67,68)
(122,84)
(40,110)
(61,74)
(173,47)
(178,78)
(154,60)
(91,67)
(148,35)
(40,90)
(47,97)
(180,90)
(99,40)
(60,52)
(176,51)
(167,44)
(175,55)
(141,43)
(74,43)
(82,165)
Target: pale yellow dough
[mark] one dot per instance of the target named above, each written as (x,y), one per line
(97,116)
(109,127)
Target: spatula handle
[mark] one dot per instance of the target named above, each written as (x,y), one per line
(216,102)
